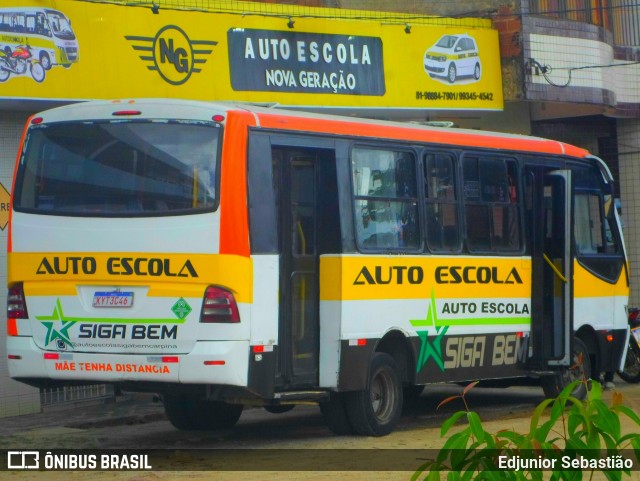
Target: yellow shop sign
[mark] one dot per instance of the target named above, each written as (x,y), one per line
(79,50)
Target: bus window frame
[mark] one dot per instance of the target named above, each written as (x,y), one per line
(589,260)
(19,177)
(419,195)
(505,157)
(459,206)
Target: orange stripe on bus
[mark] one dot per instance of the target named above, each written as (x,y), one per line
(234,222)
(446,137)
(13,182)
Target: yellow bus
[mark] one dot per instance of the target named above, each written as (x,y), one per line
(46,31)
(232,255)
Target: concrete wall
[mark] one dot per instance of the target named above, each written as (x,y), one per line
(629,179)
(15,398)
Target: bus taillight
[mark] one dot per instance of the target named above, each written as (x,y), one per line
(219,306)
(16,303)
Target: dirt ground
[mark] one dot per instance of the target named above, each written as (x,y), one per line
(401,440)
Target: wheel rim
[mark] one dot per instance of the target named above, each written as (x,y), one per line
(477,72)
(452,73)
(44,60)
(573,374)
(577,371)
(382,396)
(37,72)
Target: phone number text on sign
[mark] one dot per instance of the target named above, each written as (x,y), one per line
(482,96)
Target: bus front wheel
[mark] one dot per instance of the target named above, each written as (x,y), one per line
(375,411)
(191,413)
(580,370)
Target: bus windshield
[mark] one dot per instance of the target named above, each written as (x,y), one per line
(60,25)
(119,169)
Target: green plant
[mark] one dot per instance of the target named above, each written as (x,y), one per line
(577,438)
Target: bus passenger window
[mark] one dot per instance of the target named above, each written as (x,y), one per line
(491,204)
(588,224)
(597,241)
(385,199)
(441,205)
(593,224)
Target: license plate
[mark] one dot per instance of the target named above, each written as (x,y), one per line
(113,299)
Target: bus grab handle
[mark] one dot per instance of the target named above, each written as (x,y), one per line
(555,269)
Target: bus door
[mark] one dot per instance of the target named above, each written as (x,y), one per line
(308,225)
(551,222)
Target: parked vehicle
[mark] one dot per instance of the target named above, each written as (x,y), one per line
(631,371)
(225,256)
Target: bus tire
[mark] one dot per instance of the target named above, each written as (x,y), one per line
(279,409)
(37,72)
(334,412)
(45,60)
(190,413)
(375,411)
(176,407)
(553,385)
(216,414)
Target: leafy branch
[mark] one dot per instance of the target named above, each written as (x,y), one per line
(578,438)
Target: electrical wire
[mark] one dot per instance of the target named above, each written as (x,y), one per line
(546,69)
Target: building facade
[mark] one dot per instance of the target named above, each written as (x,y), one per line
(562,69)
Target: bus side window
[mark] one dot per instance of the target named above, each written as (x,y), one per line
(594,221)
(42,27)
(492,204)
(19,24)
(588,230)
(441,202)
(386,204)
(597,239)
(31,24)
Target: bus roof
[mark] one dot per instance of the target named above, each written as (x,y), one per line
(18,9)
(301,121)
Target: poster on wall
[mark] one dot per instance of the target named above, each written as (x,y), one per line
(78,51)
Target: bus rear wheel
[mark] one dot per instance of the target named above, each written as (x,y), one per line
(580,370)
(279,409)
(192,413)
(375,411)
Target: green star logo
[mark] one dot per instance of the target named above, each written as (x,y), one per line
(50,321)
(430,349)
(181,309)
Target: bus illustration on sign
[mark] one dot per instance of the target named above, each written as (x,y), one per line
(33,39)
(453,57)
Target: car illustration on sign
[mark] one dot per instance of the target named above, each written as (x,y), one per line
(453,57)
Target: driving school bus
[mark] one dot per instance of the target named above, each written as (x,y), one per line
(231,255)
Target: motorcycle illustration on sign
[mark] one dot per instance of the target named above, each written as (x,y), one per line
(452,58)
(19,62)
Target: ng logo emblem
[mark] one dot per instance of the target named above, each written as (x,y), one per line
(172,54)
